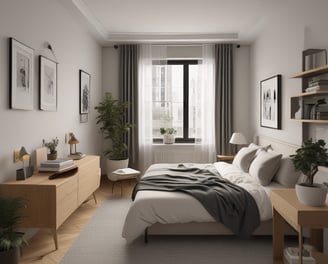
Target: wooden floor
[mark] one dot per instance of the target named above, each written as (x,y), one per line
(41,247)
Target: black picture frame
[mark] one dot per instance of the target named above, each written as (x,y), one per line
(21,75)
(47,84)
(85,82)
(270,102)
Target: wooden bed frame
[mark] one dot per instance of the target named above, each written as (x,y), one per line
(214,228)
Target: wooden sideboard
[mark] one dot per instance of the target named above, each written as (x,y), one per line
(51,202)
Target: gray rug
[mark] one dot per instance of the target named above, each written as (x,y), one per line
(101,243)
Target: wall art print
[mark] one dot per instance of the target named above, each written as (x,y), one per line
(85,80)
(48,84)
(21,65)
(271,102)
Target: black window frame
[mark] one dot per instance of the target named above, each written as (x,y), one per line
(185,63)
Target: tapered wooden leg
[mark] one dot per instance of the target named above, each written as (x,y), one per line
(94,197)
(54,233)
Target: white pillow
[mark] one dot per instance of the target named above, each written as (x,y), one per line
(252,145)
(244,158)
(286,174)
(264,166)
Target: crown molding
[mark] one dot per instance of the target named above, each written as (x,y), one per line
(107,37)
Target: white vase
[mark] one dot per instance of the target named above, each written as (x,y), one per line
(113,165)
(311,195)
(168,138)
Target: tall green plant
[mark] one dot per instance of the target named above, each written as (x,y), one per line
(309,157)
(10,217)
(111,117)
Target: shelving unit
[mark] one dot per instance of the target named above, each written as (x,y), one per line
(301,104)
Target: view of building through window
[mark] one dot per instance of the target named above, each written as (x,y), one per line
(174,94)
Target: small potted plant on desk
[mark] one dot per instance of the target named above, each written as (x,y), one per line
(307,159)
(10,239)
(168,135)
(51,145)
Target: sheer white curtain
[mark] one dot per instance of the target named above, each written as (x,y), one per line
(204,147)
(148,53)
(205,107)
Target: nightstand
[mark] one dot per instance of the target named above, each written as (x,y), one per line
(287,208)
(225,158)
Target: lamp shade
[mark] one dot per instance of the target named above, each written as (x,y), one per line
(238,139)
(23,154)
(72,139)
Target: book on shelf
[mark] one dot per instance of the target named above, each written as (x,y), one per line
(317,82)
(57,170)
(317,88)
(57,163)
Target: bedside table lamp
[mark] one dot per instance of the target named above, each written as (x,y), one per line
(72,141)
(25,172)
(237,139)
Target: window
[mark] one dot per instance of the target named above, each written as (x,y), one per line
(174,87)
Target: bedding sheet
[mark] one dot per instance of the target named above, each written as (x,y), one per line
(150,207)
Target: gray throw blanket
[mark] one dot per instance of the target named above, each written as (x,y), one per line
(226,202)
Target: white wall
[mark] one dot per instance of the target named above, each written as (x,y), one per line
(34,23)
(278,50)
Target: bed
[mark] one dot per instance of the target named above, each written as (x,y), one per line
(258,168)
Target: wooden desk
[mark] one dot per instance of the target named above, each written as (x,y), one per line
(286,207)
(226,158)
(51,202)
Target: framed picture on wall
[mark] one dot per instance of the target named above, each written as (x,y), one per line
(85,81)
(48,84)
(271,102)
(21,60)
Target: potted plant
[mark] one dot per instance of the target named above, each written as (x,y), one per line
(52,146)
(168,135)
(111,117)
(10,238)
(307,159)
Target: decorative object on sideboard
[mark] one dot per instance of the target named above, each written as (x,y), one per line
(111,117)
(47,84)
(52,147)
(270,101)
(168,135)
(21,75)
(237,138)
(73,154)
(307,159)
(26,171)
(10,239)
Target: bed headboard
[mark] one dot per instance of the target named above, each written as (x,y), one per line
(277,145)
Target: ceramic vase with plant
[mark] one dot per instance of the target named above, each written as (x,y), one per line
(168,135)
(307,159)
(10,239)
(52,147)
(111,117)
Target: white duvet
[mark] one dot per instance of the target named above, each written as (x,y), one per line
(150,207)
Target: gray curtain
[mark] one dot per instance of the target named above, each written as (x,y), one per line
(223,97)
(128,85)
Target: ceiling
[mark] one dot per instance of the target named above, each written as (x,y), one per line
(119,21)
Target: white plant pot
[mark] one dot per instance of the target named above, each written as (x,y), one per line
(168,139)
(311,195)
(113,165)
